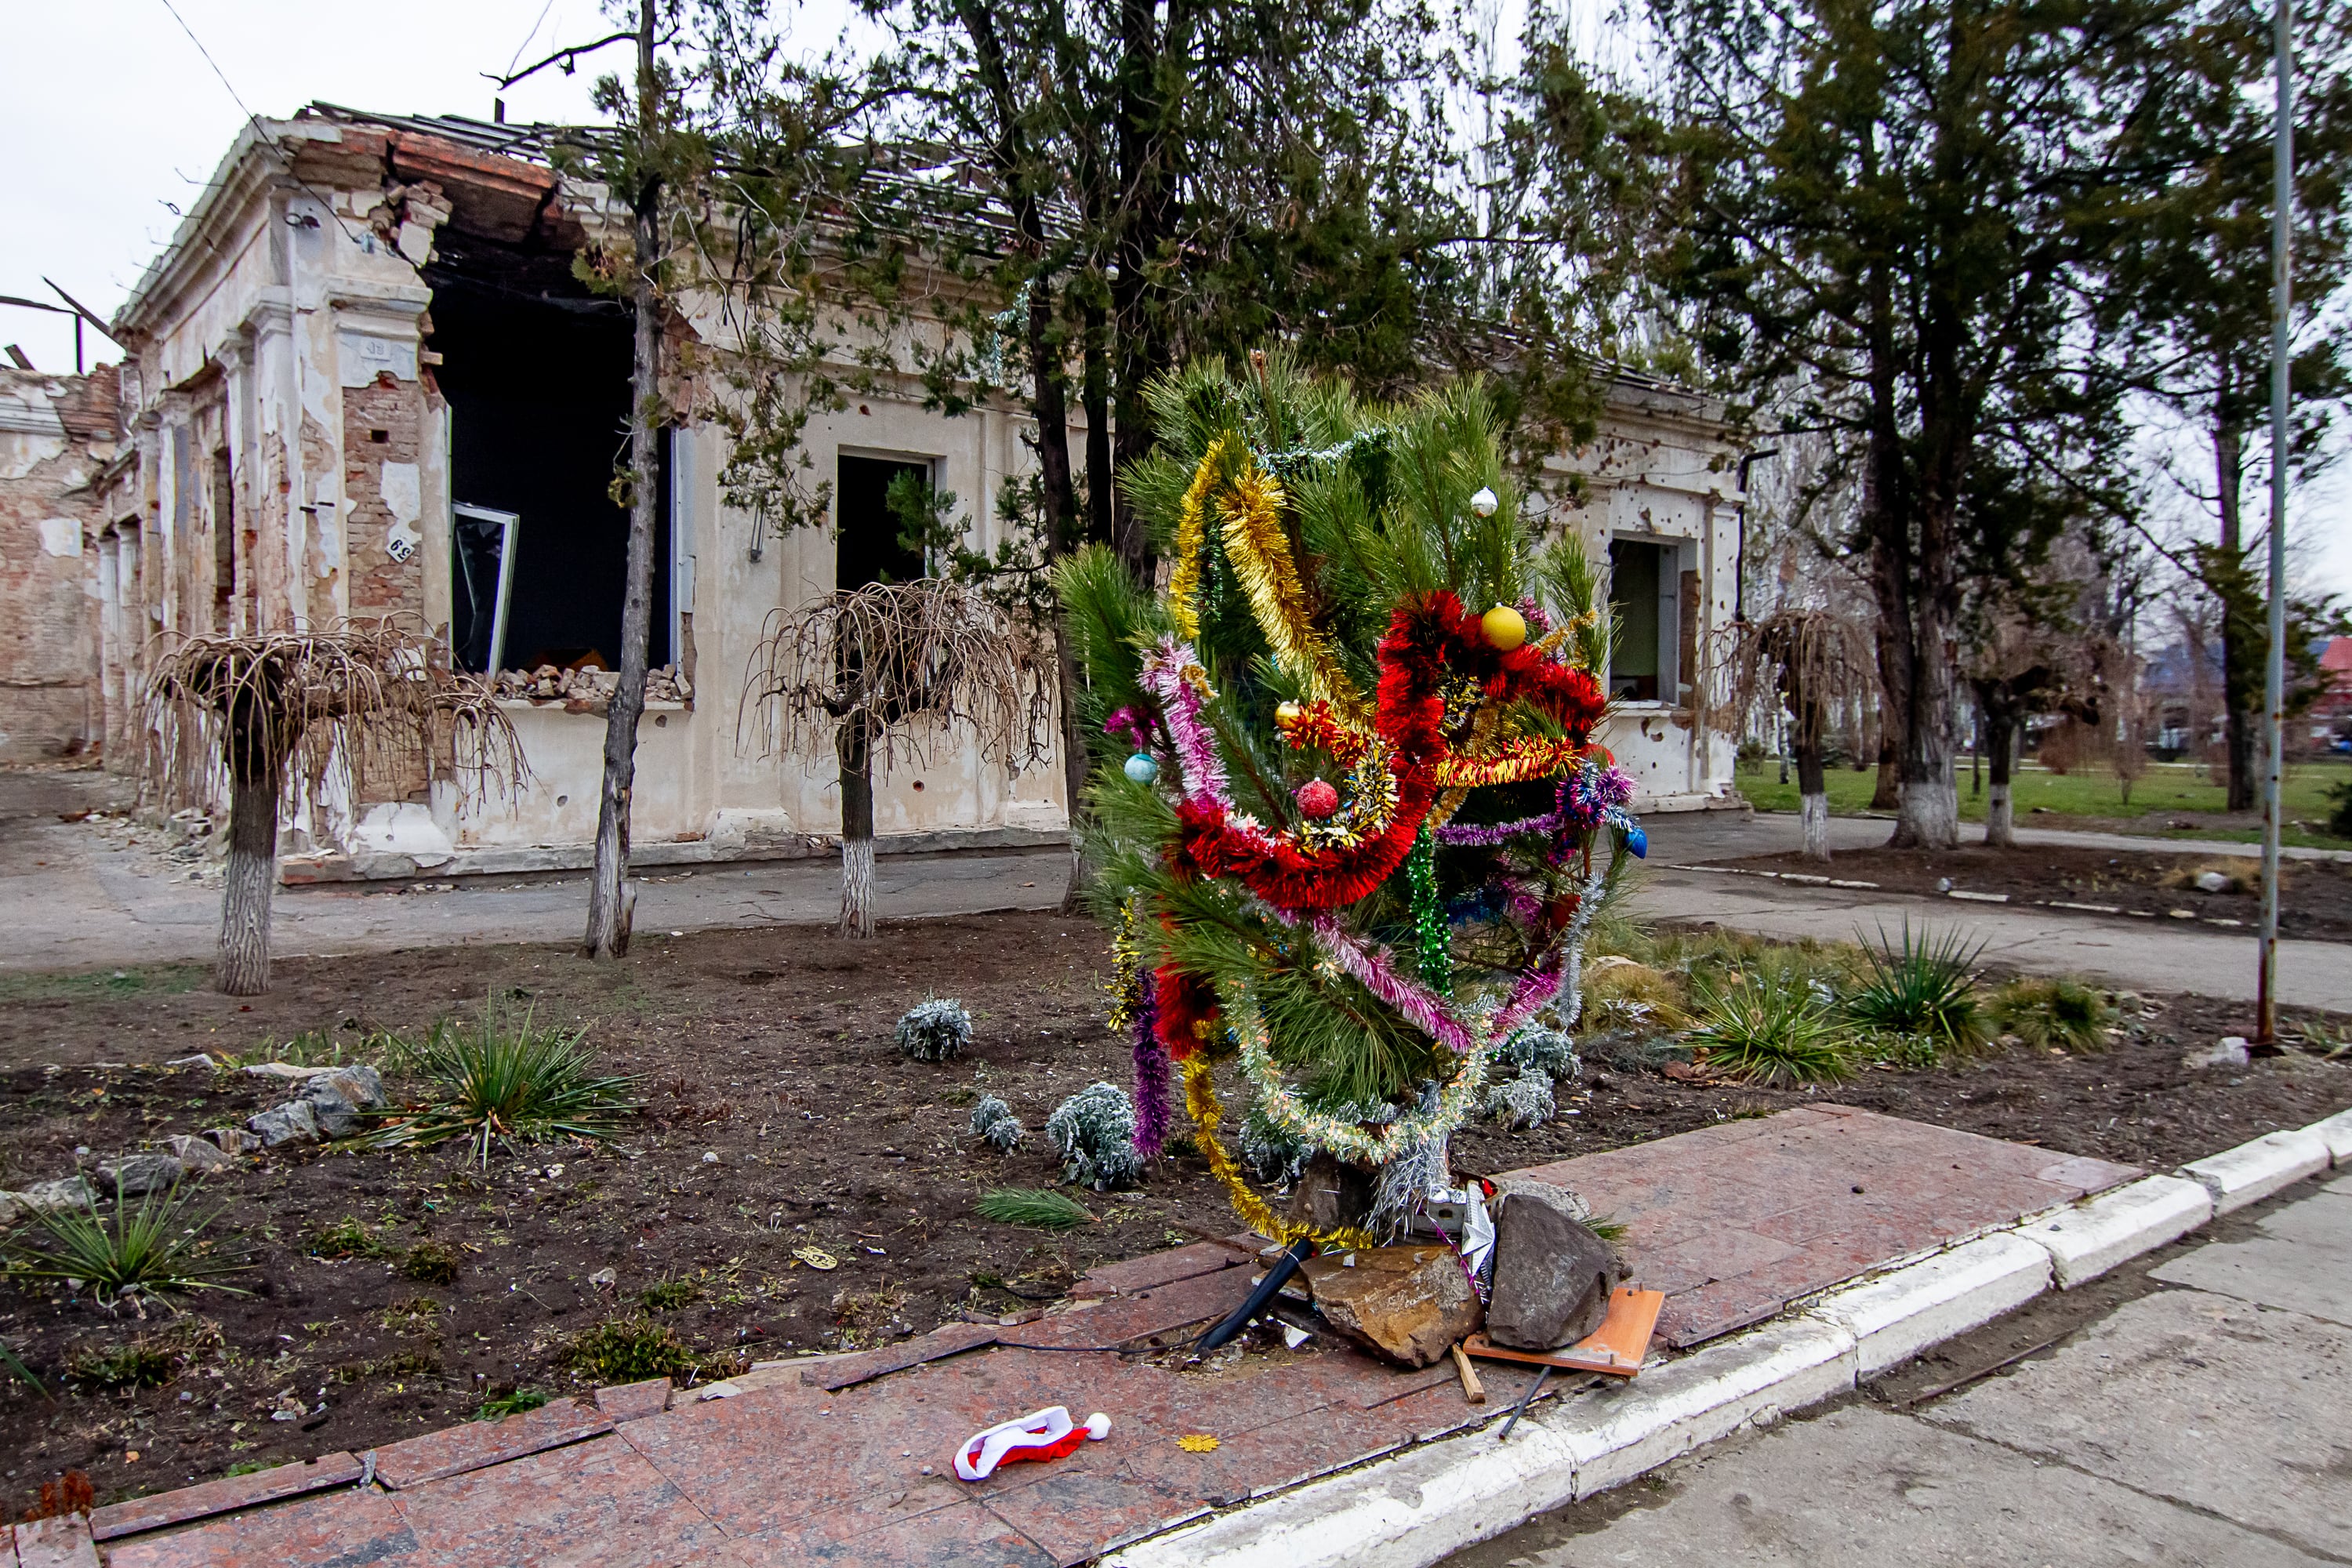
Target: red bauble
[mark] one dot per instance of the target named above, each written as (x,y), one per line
(1318,799)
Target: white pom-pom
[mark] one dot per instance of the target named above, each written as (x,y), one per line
(1098,1426)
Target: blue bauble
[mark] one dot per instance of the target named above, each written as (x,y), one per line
(1638,842)
(1141,768)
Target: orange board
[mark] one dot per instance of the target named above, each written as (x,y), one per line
(1615,1349)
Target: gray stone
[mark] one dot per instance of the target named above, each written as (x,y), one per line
(2229,1052)
(358,1082)
(337,1098)
(1407,1303)
(198,1156)
(285,1123)
(233,1140)
(1553,1276)
(2229,1408)
(137,1176)
(1862,1489)
(49,1197)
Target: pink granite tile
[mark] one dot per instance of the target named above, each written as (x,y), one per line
(454,1451)
(633,1401)
(954,1339)
(222,1496)
(330,1530)
(965,1535)
(1130,1276)
(62,1542)
(595,1502)
(1123,1319)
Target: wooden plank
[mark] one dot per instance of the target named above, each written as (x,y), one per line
(1472,1389)
(1616,1349)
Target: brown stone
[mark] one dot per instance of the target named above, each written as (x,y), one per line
(1410,1304)
(1553,1276)
(1329,1195)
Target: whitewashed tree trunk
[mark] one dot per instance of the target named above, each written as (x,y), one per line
(251,882)
(2001,823)
(853,747)
(1813,812)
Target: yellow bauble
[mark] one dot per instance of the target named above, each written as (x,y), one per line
(1505,628)
(1287,713)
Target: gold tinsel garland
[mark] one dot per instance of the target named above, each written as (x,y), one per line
(1515,762)
(1200,1100)
(1260,554)
(1192,539)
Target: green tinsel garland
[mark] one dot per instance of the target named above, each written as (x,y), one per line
(1431,934)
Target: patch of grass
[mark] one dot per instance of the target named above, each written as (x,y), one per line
(513,1402)
(148,1361)
(507,1080)
(158,1245)
(347,1237)
(15,1368)
(399,1363)
(1768,1029)
(627,1350)
(2165,790)
(432,1263)
(2065,1013)
(669,1295)
(135,1366)
(1925,988)
(415,1315)
(251,1467)
(1625,992)
(1036,1207)
(164,980)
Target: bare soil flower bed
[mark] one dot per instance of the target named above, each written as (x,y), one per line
(396,1292)
(2314,899)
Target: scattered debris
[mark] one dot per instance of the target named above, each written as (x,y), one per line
(1048,1433)
(2231,1051)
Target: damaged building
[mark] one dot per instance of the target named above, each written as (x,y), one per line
(57,438)
(365,381)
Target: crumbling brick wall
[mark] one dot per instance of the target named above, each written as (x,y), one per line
(383,475)
(55,433)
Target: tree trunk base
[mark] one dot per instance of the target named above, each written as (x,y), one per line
(2001,821)
(251,883)
(1929,817)
(856,887)
(1813,812)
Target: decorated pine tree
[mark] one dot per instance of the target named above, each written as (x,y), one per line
(1353,826)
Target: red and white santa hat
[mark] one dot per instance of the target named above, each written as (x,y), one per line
(1047,1434)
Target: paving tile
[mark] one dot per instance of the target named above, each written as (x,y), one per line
(963,1536)
(595,1502)
(454,1451)
(1121,1319)
(60,1542)
(331,1529)
(954,1339)
(633,1401)
(220,1497)
(1154,1270)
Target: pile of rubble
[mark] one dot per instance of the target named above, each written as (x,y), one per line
(588,686)
(328,1106)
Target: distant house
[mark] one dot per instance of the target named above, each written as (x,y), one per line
(2331,715)
(58,436)
(365,381)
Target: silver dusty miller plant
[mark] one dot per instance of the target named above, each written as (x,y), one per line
(1544,1052)
(1094,1132)
(934,1030)
(993,1123)
(1522,1102)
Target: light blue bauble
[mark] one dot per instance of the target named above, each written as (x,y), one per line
(1141,768)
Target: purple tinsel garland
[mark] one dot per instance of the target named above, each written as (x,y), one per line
(1151,1071)
(1204,772)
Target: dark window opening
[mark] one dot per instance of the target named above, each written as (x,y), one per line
(1634,665)
(223,544)
(867,546)
(536,371)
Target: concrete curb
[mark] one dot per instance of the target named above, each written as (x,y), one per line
(2086,1239)
(1413,1507)
(2254,1171)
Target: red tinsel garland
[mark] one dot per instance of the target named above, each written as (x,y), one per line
(1425,641)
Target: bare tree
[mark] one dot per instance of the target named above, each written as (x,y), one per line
(887,671)
(1810,659)
(269,713)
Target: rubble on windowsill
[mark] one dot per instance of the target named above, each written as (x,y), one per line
(588,691)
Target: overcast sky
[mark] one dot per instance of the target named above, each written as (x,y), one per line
(114,120)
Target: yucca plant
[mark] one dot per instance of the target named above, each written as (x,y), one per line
(510,1080)
(2065,1013)
(1036,1207)
(1768,1028)
(136,1252)
(17,1369)
(1925,988)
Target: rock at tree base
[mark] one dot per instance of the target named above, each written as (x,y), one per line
(233,1140)
(1407,1303)
(1552,1276)
(1329,1194)
(136,1175)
